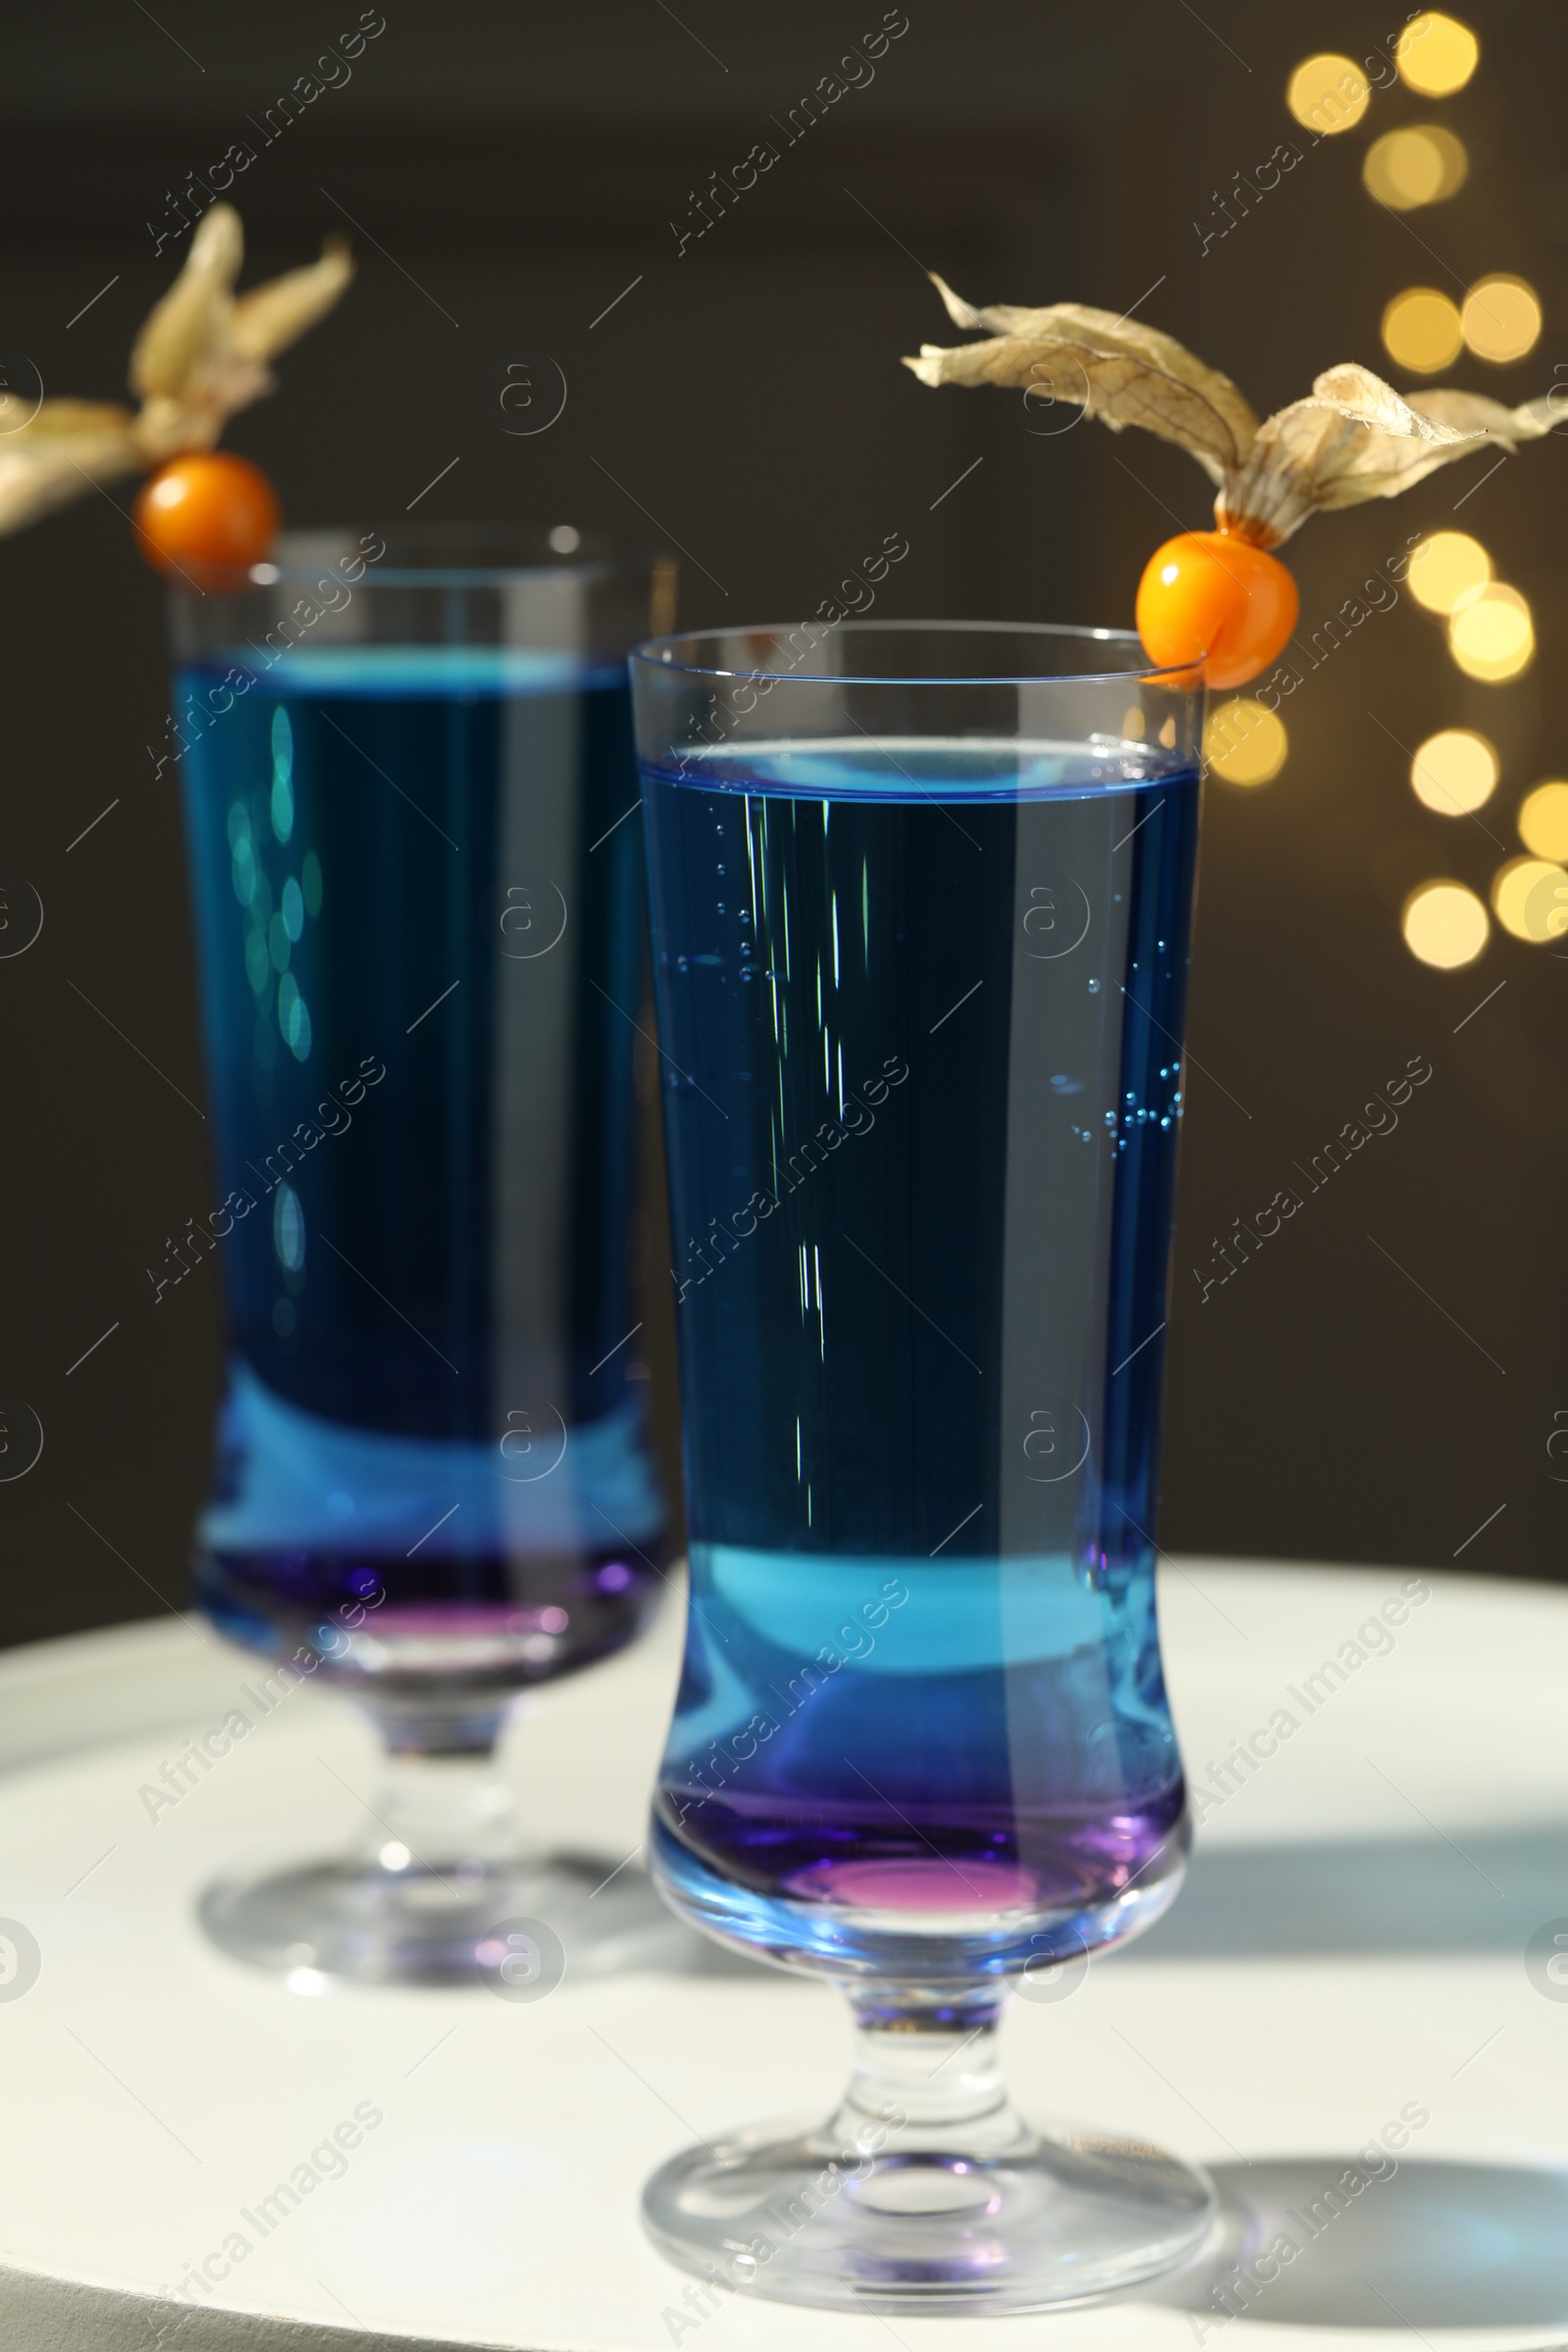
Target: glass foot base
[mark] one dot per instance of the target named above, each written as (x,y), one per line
(516,1926)
(1017,2221)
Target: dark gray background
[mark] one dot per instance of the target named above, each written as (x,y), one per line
(513,170)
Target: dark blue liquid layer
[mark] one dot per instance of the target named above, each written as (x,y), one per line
(419,979)
(921,1008)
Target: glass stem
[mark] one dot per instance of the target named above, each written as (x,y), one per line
(442,1803)
(923,2071)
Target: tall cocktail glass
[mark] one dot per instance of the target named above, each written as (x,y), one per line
(922,900)
(407,765)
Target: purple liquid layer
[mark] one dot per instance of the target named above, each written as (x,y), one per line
(1036,1785)
(495,1620)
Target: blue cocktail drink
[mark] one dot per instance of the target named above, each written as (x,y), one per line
(920,922)
(419,919)
(423,1115)
(928,1163)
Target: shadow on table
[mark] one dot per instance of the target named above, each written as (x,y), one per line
(1481,1892)
(1435,2245)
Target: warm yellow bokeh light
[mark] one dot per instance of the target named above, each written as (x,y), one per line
(1421,330)
(1543,821)
(1447,567)
(1530,897)
(1454,772)
(1491,634)
(1243,743)
(1328,93)
(1423,163)
(1501,320)
(1436,55)
(1445,925)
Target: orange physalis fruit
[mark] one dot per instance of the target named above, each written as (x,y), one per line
(206,516)
(1219,596)
(1212,592)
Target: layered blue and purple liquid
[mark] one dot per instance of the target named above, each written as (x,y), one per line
(922,1009)
(420,932)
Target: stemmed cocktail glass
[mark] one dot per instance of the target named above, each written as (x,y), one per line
(921,899)
(408,773)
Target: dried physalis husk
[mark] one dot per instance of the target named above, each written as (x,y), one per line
(1112,367)
(1353,438)
(60,452)
(201,356)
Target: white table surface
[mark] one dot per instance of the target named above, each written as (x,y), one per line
(1350,1941)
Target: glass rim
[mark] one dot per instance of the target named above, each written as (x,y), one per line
(596,555)
(655,655)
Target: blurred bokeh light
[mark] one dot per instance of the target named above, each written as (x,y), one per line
(1245,744)
(1328,93)
(1447,567)
(1501,320)
(1436,54)
(1422,330)
(1455,772)
(1491,634)
(1422,164)
(1530,897)
(1445,925)
(1543,821)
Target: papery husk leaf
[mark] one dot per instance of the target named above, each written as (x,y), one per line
(1365,399)
(271,318)
(1353,438)
(1113,369)
(1478,413)
(40,470)
(1357,439)
(56,417)
(182,328)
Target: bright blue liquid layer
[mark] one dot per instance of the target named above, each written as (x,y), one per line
(419,985)
(920,1006)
